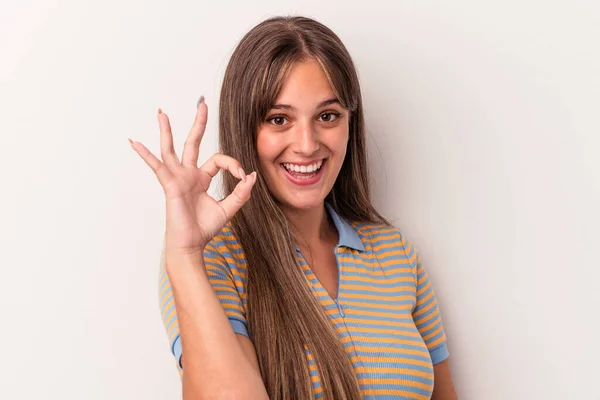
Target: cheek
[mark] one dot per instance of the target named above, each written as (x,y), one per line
(339,142)
(267,148)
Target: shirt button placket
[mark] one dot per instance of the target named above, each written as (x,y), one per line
(340,308)
(337,299)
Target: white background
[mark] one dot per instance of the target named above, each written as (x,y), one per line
(483,123)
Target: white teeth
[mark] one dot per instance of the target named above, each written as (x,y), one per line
(303,168)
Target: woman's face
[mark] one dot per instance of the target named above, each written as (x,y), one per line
(302,141)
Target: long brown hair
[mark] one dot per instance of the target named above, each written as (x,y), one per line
(284,318)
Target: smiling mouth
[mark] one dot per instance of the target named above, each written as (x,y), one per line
(304,171)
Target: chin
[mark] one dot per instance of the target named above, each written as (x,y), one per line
(307,204)
(303,201)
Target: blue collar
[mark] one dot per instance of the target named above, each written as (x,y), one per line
(348,236)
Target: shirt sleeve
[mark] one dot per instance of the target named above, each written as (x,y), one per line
(168,312)
(228,284)
(223,283)
(426,313)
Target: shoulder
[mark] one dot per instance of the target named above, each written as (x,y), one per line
(377,233)
(384,240)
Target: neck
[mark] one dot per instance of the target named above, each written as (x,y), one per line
(312,226)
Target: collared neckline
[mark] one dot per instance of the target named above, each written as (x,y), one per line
(347,235)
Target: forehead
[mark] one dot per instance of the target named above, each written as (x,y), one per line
(306,82)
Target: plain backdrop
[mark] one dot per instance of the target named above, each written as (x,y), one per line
(484,141)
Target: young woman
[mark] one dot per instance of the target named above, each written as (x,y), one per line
(293,285)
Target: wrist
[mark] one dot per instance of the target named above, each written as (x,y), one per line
(183,259)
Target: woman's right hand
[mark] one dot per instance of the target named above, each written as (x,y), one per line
(193,217)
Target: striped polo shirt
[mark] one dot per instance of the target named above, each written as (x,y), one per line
(385,314)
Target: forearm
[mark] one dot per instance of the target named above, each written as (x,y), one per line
(443,386)
(213,361)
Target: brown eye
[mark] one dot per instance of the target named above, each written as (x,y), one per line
(330,116)
(277,120)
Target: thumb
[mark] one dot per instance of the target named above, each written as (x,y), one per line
(240,195)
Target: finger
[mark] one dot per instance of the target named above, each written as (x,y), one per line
(191,148)
(154,163)
(240,195)
(167,152)
(218,161)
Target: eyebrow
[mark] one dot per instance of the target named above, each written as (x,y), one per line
(289,107)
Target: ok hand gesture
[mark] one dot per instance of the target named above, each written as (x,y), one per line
(193,217)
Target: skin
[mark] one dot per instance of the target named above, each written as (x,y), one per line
(443,388)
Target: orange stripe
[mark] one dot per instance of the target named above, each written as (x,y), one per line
(378,248)
(379,314)
(402,260)
(392,381)
(385,234)
(379,306)
(381,323)
(400,351)
(384,332)
(405,371)
(373,280)
(376,297)
(393,392)
(418,342)
(396,280)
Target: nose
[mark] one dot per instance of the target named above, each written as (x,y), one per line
(306,141)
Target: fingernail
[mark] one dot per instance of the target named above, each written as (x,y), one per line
(200,100)
(254,175)
(159,111)
(130,141)
(242,174)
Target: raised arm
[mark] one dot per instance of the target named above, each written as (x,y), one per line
(216,363)
(223,284)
